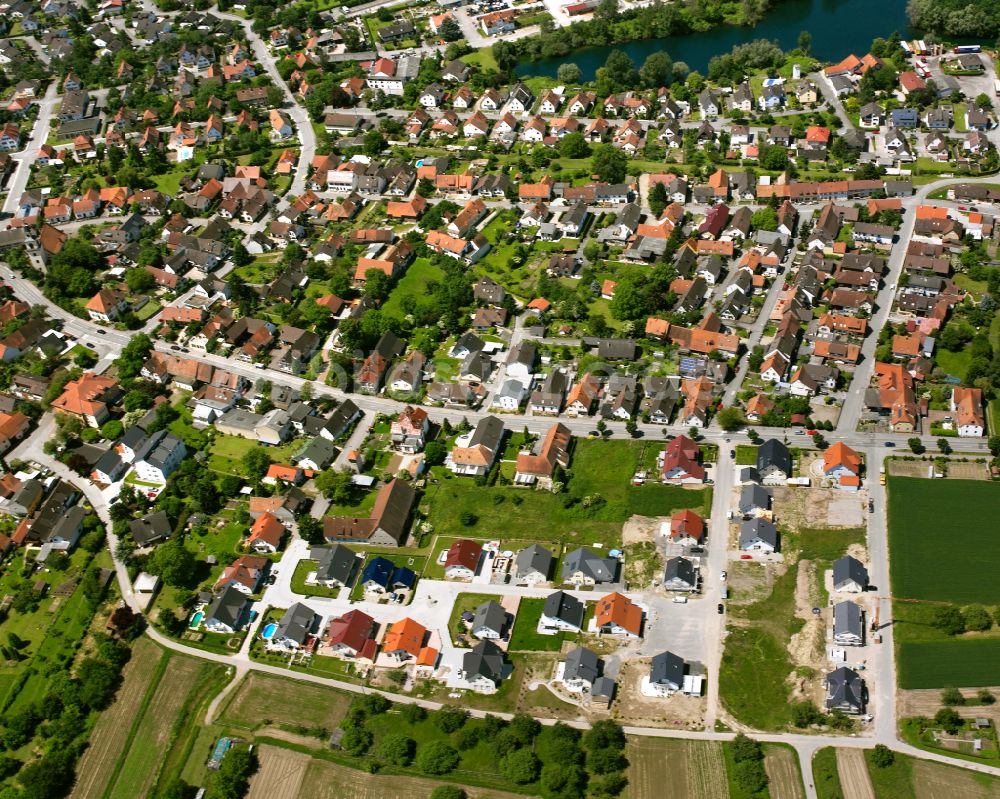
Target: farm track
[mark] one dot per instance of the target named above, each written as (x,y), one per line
(110,734)
(853,771)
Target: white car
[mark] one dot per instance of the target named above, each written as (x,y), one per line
(723,575)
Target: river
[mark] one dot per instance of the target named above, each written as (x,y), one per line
(838,27)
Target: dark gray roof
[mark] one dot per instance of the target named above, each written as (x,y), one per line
(567,607)
(773,453)
(151,527)
(158,448)
(485,660)
(296,624)
(667,668)
(753,497)
(489,616)
(488,433)
(844,687)
(582,664)
(758,528)
(227,607)
(601,570)
(680,569)
(334,563)
(531,559)
(846,569)
(847,619)
(603,687)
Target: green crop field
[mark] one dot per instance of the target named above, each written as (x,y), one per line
(944,545)
(966,662)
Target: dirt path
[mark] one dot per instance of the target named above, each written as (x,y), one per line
(806,646)
(853,772)
(783,773)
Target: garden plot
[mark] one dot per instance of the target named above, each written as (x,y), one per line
(280,773)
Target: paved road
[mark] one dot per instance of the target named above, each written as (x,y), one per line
(299,115)
(24,159)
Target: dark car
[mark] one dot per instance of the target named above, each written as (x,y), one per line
(102,332)
(732,453)
(721,608)
(890,444)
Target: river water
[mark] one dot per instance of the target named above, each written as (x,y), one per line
(838,27)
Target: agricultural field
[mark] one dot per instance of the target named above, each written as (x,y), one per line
(676,768)
(132,742)
(111,732)
(783,773)
(327,780)
(279,775)
(923,568)
(852,769)
(252,704)
(150,737)
(965,662)
(933,526)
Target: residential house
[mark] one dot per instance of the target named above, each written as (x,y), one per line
(562,612)
(584,567)
(462,561)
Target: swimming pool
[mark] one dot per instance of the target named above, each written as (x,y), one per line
(269,631)
(196,620)
(420,163)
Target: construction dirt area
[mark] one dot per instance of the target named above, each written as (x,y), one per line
(806,647)
(280,773)
(957,470)
(852,769)
(631,708)
(927,702)
(801,508)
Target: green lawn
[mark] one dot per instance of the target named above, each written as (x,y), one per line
(892,782)
(299,586)
(935,526)
(483,58)
(755,662)
(953,363)
(526,637)
(465,602)
(600,470)
(825,775)
(746,455)
(414,284)
(226,452)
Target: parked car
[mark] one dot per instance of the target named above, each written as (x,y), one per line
(723,575)
(721,609)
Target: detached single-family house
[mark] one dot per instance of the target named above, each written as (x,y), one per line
(774,462)
(845,691)
(532,565)
(758,535)
(848,624)
(616,614)
(849,575)
(562,612)
(585,567)
(462,561)
(225,613)
(490,621)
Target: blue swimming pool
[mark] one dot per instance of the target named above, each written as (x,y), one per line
(196,620)
(269,631)
(420,162)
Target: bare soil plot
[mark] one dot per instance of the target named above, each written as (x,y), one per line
(326,780)
(806,647)
(853,772)
(302,704)
(280,773)
(781,764)
(139,769)
(897,468)
(801,508)
(967,471)
(676,768)
(632,708)
(933,780)
(927,702)
(110,733)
